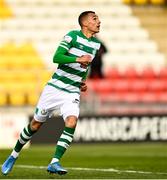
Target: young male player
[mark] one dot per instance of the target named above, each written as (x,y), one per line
(74,54)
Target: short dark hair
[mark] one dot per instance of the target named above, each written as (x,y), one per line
(83,15)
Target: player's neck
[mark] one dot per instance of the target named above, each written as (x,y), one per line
(88,34)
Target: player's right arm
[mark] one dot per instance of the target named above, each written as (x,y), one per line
(61,56)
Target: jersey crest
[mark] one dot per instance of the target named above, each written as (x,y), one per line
(67,39)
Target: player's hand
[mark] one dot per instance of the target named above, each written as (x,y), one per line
(84,60)
(84,65)
(83,86)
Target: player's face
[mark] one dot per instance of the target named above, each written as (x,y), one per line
(93,23)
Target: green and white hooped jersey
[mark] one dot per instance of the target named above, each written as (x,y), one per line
(69,76)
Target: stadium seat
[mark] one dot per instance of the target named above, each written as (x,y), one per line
(26,76)
(34,62)
(157,2)
(7,76)
(157,85)
(113,73)
(110,98)
(16,62)
(3,63)
(5,11)
(131,97)
(20,57)
(32,98)
(130,73)
(162,97)
(33,92)
(121,85)
(3,95)
(148,73)
(141,2)
(127,1)
(148,97)
(162,73)
(104,86)
(146,46)
(44,76)
(3,99)
(16,94)
(7,53)
(138,85)
(17,75)
(17,99)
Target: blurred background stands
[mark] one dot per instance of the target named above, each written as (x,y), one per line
(134,32)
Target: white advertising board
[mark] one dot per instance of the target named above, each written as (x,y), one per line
(125,128)
(11,125)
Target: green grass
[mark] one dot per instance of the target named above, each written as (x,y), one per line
(150,158)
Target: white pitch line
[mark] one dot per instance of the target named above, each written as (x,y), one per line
(92,169)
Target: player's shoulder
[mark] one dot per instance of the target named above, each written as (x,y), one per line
(70,36)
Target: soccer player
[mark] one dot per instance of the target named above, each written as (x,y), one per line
(73,55)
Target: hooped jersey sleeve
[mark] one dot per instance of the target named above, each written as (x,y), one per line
(67,41)
(60,56)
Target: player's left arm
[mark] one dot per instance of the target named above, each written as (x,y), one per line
(83,86)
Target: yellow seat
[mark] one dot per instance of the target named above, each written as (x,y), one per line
(8,53)
(3,62)
(20,57)
(157,2)
(23,93)
(34,62)
(3,96)
(141,2)
(5,11)
(9,48)
(127,1)
(26,76)
(16,94)
(32,98)
(32,93)
(30,56)
(27,48)
(17,99)
(6,76)
(3,99)
(24,87)
(16,62)
(44,77)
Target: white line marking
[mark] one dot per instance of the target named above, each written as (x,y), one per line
(92,169)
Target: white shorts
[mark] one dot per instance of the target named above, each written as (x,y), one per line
(53,99)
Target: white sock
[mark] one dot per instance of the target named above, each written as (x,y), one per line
(54,160)
(15,154)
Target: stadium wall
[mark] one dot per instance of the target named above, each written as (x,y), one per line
(128,128)
(136,128)
(11,124)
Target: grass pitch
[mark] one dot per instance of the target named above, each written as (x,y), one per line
(93,161)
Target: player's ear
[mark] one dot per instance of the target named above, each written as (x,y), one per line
(85,22)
